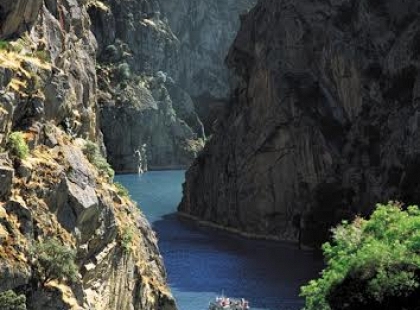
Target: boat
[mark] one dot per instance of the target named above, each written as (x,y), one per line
(226,303)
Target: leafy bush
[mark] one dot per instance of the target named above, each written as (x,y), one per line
(17,146)
(91,151)
(121,190)
(53,260)
(9,300)
(371,264)
(127,239)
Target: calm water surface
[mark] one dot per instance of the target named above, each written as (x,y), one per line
(201,262)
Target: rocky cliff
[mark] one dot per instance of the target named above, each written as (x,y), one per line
(323,122)
(147,120)
(161,75)
(49,188)
(206,30)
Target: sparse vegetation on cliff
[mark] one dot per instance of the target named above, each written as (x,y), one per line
(9,300)
(54,261)
(127,239)
(3,45)
(371,264)
(17,146)
(91,151)
(121,190)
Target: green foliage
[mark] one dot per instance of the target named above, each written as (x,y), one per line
(17,146)
(111,53)
(369,261)
(127,239)
(4,45)
(42,55)
(124,72)
(9,300)
(54,260)
(91,151)
(121,190)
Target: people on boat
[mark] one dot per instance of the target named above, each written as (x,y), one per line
(228,304)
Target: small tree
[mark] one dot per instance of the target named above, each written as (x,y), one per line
(17,145)
(371,264)
(9,300)
(54,261)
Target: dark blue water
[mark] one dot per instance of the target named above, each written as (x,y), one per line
(201,262)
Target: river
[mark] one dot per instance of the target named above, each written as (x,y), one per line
(202,262)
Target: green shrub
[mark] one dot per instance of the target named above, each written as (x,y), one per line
(9,300)
(111,53)
(17,146)
(371,264)
(91,151)
(124,72)
(127,239)
(121,190)
(53,260)
(4,45)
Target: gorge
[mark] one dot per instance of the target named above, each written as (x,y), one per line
(289,116)
(80,80)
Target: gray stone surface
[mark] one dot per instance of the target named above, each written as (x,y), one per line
(138,56)
(57,193)
(6,179)
(323,123)
(206,30)
(149,133)
(17,16)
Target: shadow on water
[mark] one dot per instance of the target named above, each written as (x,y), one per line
(201,261)
(269,274)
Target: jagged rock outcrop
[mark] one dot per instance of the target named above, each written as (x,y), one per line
(48,92)
(64,197)
(323,123)
(206,30)
(145,122)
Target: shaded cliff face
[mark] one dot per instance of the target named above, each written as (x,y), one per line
(48,92)
(147,120)
(206,30)
(17,16)
(323,123)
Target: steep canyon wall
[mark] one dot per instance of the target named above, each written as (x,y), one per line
(323,123)
(48,92)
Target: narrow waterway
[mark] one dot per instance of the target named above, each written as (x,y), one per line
(202,262)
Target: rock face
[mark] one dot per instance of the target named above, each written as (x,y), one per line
(145,121)
(153,58)
(17,16)
(48,87)
(206,30)
(323,123)
(66,198)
